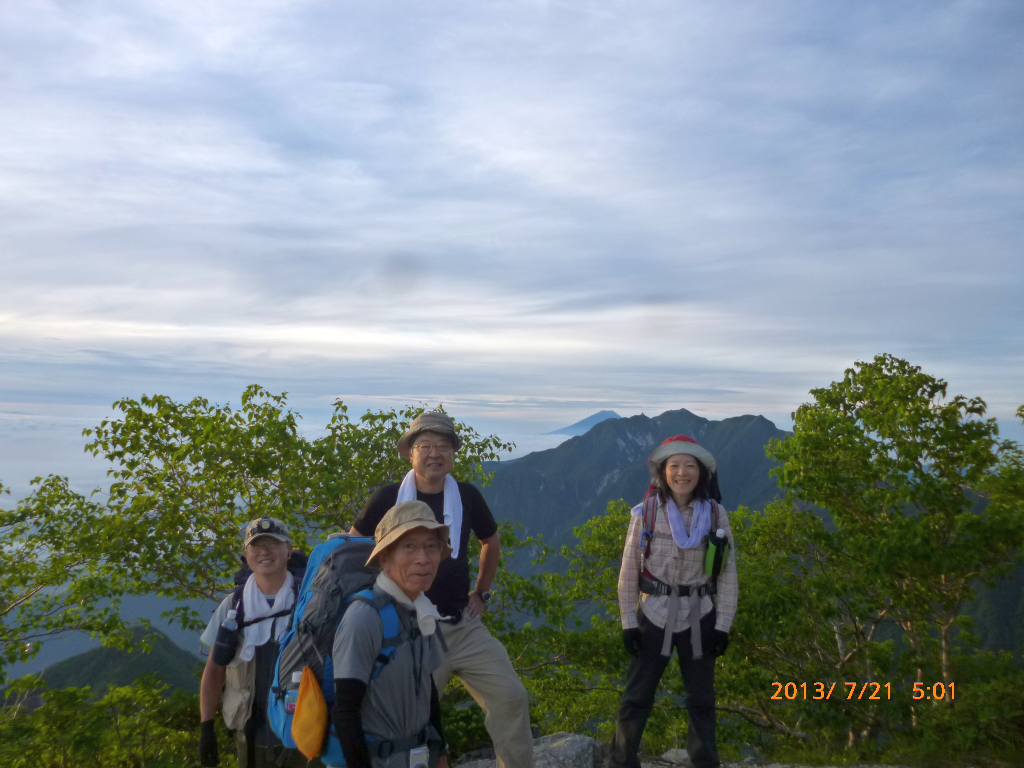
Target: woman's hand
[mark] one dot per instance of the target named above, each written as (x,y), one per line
(442,761)
(632,641)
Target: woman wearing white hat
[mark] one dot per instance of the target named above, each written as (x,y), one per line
(386,710)
(666,597)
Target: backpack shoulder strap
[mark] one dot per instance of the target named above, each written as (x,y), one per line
(647,518)
(650,512)
(238,603)
(391,623)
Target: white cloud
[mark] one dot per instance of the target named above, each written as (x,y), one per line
(526,207)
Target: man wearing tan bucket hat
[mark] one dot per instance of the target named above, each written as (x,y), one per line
(478,659)
(386,712)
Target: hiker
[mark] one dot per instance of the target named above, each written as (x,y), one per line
(241,660)
(386,710)
(478,659)
(665,569)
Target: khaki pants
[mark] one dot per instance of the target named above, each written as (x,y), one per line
(481,662)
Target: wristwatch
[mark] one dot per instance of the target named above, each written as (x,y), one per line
(485,595)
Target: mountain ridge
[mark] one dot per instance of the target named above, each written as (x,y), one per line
(101,668)
(549,492)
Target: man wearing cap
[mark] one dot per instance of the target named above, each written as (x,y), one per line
(264,610)
(474,654)
(387,715)
(666,598)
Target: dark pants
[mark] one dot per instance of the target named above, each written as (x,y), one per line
(645,672)
(258,756)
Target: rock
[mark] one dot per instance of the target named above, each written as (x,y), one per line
(559,750)
(677,757)
(480,755)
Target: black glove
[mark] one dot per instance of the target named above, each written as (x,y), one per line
(208,744)
(631,639)
(719,642)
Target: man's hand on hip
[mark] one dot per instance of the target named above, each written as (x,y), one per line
(476,604)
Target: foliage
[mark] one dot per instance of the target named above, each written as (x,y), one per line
(922,501)
(900,502)
(185,477)
(134,726)
(926,497)
(52,578)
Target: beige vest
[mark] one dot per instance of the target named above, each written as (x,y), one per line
(239,691)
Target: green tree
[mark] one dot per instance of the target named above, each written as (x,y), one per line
(809,614)
(52,580)
(923,492)
(134,726)
(185,477)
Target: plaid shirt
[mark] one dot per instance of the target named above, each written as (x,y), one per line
(672,565)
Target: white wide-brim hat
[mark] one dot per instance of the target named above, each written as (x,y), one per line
(676,445)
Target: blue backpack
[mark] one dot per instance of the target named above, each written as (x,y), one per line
(336,575)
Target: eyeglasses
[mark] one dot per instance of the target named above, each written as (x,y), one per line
(441,448)
(266,544)
(411,548)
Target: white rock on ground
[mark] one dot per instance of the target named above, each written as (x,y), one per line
(677,757)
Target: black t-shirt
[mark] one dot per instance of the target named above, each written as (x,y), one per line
(450,591)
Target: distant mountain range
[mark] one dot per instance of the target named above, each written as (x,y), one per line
(582,427)
(101,668)
(552,491)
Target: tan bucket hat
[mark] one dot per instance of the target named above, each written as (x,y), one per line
(402,518)
(429,421)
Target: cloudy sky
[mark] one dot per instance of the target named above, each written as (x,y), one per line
(527,210)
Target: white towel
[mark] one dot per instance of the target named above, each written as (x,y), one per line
(452,505)
(426,612)
(257,605)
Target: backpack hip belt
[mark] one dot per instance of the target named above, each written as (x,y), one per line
(385,748)
(652,586)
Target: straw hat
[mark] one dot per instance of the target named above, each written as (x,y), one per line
(402,518)
(429,421)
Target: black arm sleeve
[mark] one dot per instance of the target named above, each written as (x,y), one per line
(435,717)
(348,699)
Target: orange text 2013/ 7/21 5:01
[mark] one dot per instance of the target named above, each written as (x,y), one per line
(818,691)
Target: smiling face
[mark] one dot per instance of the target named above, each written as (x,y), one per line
(682,474)
(432,456)
(412,561)
(267,556)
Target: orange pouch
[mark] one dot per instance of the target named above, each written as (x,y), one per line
(309,725)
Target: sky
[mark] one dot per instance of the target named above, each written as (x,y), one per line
(529,211)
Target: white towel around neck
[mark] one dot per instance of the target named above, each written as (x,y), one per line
(256,605)
(452,505)
(426,612)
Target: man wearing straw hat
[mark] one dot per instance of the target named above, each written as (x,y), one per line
(387,714)
(478,659)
